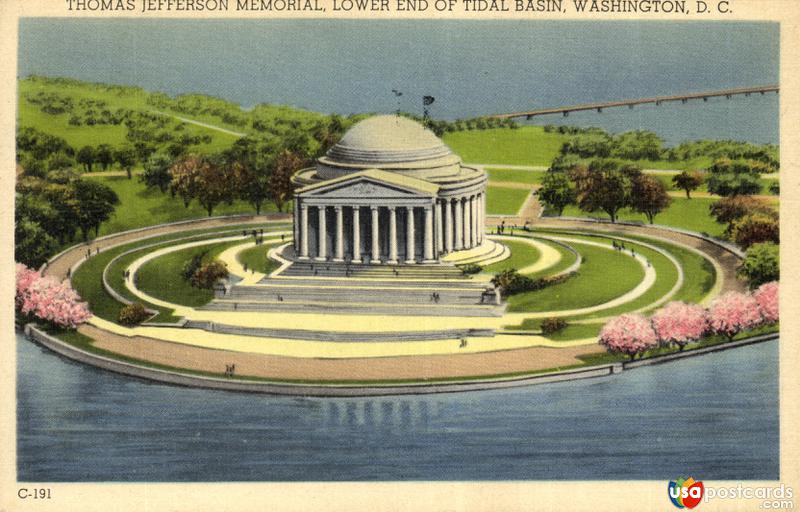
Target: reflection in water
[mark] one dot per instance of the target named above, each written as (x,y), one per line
(77,423)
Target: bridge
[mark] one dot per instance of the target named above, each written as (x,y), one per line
(658,100)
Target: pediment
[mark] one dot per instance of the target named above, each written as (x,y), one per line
(363,187)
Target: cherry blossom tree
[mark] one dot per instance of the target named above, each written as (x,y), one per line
(732,313)
(680,323)
(47,299)
(766,296)
(628,334)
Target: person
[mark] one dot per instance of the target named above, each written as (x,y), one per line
(245,267)
(283,237)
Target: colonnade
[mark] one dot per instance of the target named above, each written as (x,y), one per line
(413,233)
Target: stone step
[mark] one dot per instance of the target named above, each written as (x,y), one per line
(359,309)
(420,296)
(302,334)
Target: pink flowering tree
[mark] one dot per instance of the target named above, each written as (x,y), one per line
(628,334)
(766,296)
(46,299)
(680,323)
(733,313)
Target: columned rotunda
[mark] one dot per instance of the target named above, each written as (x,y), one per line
(389,192)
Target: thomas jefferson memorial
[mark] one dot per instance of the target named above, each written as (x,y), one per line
(389,192)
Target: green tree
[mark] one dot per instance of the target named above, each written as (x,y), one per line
(761,264)
(126,158)
(688,181)
(727,185)
(557,191)
(754,228)
(104,155)
(95,204)
(32,244)
(87,157)
(649,196)
(730,209)
(604,185)
(157,172)
(280,181)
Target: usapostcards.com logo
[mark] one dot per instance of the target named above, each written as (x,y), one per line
(685,492)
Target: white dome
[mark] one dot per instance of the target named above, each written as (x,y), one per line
(392,143)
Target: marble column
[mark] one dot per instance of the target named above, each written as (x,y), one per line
(439,229)
(376,245)
(481,220)
(357,234)
(428,234)
(296,227)
(473,217)
(392,235)
(410,249)
(448,226)
(322,244)
(459,229)
(466,223)
(304,232)
(339,234)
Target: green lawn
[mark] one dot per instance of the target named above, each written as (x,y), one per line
(603,275)
(516,175)
(29,114)
(691,214)
(505,201)
(526,145)
(141,207)
(256,258)
(161,277)
(522,255)
(87,280)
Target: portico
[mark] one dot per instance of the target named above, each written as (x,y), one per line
(411,210)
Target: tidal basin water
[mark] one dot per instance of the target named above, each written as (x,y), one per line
(712,417)
(471,67)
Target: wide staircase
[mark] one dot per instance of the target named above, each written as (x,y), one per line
(330,288)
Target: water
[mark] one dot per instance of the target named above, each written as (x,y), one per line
(472,68)
(712,417)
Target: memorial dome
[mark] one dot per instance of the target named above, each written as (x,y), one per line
(391,143)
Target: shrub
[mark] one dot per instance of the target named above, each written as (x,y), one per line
(510,282)
(761,264)
(207,275)
(755,228)
(470,268)
(191,266)
(552,325)
(133,314)
(628,334)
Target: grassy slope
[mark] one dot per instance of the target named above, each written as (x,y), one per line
(161,277)
(87,280)
(505,201)
(522,255)
(515,175)
(256,258)
(78,136)
(617,272)
(691,214)
(527,145)
(142,207)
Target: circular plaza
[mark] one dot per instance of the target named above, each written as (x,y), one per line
(386,279)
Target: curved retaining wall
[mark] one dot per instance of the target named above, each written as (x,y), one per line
(336,336)
(320,390)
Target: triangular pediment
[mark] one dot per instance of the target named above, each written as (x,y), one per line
(371,184)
